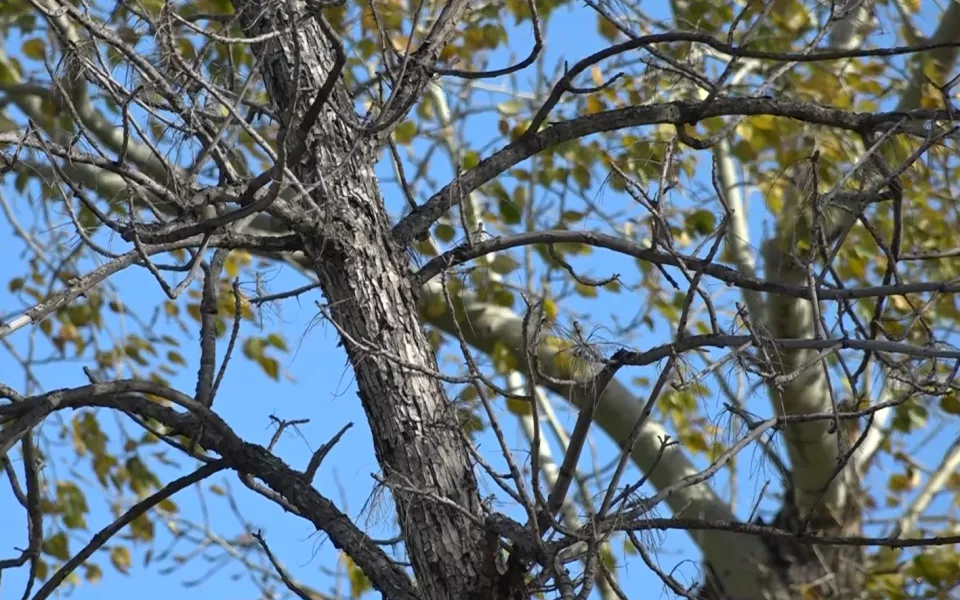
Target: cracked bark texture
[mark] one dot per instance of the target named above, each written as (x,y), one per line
(344,228)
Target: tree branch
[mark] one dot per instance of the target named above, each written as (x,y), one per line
(678,113)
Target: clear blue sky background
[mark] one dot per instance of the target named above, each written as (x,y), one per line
(324,391)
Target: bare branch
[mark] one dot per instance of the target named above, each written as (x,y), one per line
(138,509)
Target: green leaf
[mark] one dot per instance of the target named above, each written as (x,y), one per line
(270,366)
(503,359)
(405,132)
(587,291)
(511,208)
(469,420)
(519,407)
(34,48)
(120,558)
(950,404)
(73,504)
(57,546)
(509,212)
(503,297)
(88,220)
(581,175)
(909,417)
(606,28)
(141,528)
(42,569)
(185,46)
(899,483)
(194,311)
(359,584)
(276,340)
(253,348)
(470,159)
(444,233)
(92,573)
(503,264)
(701,221)
(142,479)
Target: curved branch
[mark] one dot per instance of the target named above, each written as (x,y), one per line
(677,113)
(244,458)
(729,276)
(138,509)
(566,81)
(767,532)
(79,286)
(70,155)
(523,64)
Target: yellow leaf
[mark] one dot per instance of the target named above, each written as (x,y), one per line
(900,303)
(57,546)
(519,407)
(950,404)
(194,311)
(903,482)
(358,580)
(34,48)
(597,75)
(607,29)
(404,132)
(550,309)
(270,366)
(587,291)
(809,592)
(472,158)
(399,42)
(694,441)
(92,573)
(120,557)
(42,570)
(594,105)
(763,122)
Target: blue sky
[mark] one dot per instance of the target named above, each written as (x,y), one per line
(323,390)
(247,399)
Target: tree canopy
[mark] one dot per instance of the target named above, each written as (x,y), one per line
(559,285)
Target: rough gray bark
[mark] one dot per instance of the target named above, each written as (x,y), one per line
(344,228)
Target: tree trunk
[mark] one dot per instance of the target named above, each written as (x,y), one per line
(344,228)
(802,570)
